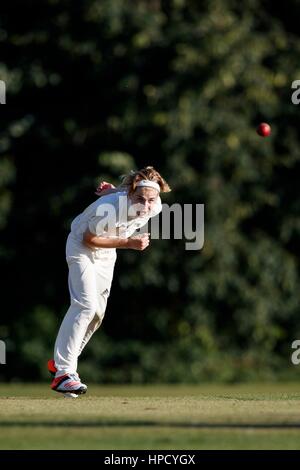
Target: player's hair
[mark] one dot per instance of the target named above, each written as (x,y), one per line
(148,173)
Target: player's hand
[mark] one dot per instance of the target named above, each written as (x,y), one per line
(104,187)
(139,242)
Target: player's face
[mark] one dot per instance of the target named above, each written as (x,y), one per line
(144,200)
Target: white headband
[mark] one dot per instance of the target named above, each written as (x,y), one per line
(149,184)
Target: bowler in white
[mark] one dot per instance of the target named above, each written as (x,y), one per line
(108,224)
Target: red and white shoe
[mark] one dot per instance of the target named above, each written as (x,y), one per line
(69,384)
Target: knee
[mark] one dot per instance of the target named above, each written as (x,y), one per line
(100,314)
(87,309)
(101,307)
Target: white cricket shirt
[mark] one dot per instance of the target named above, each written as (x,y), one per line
(108,217)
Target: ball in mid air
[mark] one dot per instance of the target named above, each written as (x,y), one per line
(264,130)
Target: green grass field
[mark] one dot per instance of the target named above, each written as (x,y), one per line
(255,416)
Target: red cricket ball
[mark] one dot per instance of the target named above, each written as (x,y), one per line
(263,129)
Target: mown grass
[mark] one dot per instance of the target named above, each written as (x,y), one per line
(246,416)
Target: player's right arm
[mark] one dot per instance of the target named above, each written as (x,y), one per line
(139,242)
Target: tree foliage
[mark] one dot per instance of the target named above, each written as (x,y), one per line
(96,88)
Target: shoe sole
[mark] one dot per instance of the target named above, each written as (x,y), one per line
(80,391)
(70,395)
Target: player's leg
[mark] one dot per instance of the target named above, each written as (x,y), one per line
(93,326)
(103,289)
(84,304)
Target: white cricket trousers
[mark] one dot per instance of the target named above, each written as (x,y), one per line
(90,278)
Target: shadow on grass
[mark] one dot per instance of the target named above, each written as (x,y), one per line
(132,423)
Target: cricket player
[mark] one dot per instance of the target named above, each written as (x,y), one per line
(107,224)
